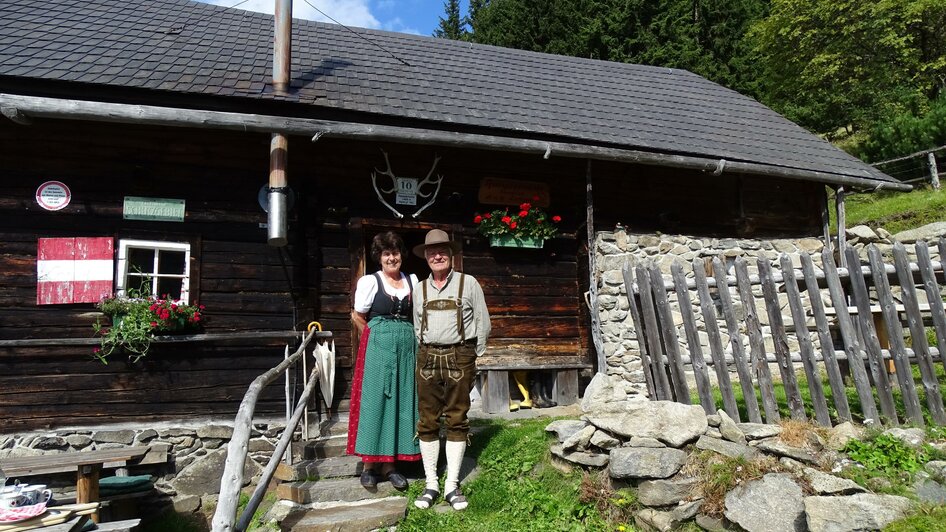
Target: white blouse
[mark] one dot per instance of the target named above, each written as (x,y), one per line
(367,288)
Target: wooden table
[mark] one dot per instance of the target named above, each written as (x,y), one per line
(87,465)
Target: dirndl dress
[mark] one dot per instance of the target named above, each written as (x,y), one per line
(382,423)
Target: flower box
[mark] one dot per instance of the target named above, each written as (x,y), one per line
(509,241)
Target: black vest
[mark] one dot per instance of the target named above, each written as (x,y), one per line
(387,305)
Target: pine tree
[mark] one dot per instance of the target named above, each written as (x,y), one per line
(451,25)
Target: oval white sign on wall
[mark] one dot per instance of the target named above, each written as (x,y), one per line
(53,195)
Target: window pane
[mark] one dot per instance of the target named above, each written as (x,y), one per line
(171,262)
(169,287)
(138,285)
(140,260)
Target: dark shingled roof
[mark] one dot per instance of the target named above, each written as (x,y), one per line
(189,47)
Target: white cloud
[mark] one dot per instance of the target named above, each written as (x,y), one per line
(347,12)
(396,24)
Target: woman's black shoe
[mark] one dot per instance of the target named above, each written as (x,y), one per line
(397,480)
(369,479)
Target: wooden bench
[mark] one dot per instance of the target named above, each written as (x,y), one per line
(494,378)
(88,466)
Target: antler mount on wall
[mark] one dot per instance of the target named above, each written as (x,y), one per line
(406,189)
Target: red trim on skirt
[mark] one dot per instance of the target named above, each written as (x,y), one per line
(370,459)
(354,410)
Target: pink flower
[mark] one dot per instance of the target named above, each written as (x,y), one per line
(96,350)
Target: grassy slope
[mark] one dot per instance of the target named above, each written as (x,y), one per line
(895,211)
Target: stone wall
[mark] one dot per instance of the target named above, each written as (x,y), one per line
(189,481)
(615,248)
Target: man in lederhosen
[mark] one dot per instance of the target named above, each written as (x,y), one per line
(452,324)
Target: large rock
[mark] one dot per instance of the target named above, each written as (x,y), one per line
(782,449)
(927,232)
(863,233)
(928,490)
(204,474)
(840,435)
(633,462)
(580,457)
(650,519)
(864,511)
(726,448)
(825,484)
(672,423)
(602,396)
(603,440)
(579,441)
(728,428)
(758,431)
(666,492)
(911,437)
(564,428)
(771,504)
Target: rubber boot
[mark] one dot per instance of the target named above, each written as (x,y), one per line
(535,386)
(546,387)
(520,378)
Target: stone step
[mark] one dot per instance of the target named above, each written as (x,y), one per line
(331,490)
(320,468)
(319,448)
(357,517)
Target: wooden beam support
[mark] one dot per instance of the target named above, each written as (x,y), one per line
(42,107)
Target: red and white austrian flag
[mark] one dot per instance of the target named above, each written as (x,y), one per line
(73,270)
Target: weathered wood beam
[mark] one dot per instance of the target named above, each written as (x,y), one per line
(41,107)
(593,274)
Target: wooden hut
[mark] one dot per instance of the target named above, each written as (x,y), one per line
(166,107)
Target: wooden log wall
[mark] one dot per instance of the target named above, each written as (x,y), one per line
(536,297)
(245,284)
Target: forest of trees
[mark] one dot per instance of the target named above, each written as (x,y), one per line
(868,74)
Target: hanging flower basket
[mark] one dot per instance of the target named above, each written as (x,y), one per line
(509,241)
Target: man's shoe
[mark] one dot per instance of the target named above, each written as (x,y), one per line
(456,500)
(426,499)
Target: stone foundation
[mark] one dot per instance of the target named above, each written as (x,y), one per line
(189,481)
(615,248)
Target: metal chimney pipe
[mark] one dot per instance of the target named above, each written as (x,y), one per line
(277,221)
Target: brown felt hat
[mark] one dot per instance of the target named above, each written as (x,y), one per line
(436,237)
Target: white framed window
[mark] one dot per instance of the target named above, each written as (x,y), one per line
(154,268)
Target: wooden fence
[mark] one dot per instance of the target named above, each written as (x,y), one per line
(860,331)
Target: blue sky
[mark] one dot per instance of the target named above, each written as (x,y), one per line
(405,16)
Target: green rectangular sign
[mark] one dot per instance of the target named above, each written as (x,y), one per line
(154,209)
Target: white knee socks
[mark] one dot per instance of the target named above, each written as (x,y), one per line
(430,454)
(455,450)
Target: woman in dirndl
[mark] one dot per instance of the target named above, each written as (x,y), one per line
(383,417)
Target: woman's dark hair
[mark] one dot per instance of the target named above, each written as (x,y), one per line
(388,241)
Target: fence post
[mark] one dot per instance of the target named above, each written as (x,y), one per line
(934,174)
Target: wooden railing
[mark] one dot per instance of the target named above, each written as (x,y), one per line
(864,320)
(232,480)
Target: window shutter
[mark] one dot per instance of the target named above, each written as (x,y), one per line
(73,270)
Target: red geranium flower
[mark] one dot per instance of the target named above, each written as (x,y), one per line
(506,220)
(512,225)
(477,219)
(556,219)
(487,216)
(523,213)
(525,206)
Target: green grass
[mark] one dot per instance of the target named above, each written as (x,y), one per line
(517,489)
(927,517)
(894,211)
